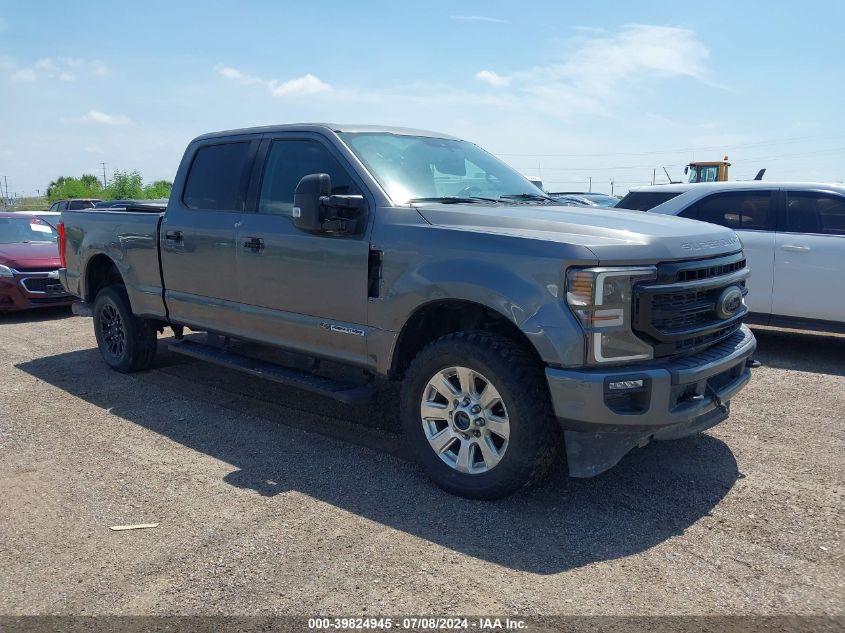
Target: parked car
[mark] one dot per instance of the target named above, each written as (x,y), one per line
(575,201)
(418,257)
(794,238)
(115,204)
(74,204)
(29,263)
(586,198)
(50,217)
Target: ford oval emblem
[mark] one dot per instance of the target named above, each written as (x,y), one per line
(729,302)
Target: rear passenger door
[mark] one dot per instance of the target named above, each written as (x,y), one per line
(811,257)
(198,255)
(302,290)
(752,214)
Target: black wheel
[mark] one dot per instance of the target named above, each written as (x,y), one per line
(126,342)
(477,415)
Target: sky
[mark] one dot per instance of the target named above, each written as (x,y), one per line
(580,94)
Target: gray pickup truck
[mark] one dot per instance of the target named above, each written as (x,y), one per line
(515,325)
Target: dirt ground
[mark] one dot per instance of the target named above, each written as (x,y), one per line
(272,501)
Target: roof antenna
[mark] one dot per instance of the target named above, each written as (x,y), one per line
(760,173)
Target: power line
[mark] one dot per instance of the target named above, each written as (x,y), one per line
(795,139)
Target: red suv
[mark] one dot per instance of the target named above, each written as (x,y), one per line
(29,264)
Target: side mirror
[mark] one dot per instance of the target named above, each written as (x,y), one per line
(316,209)
(308,212)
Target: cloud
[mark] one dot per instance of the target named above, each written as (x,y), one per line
(95,116)
(305,85)
(61,68)
(478,18)
(24,74)
(599,68)
(494,79)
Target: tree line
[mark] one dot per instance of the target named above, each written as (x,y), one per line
(124,185)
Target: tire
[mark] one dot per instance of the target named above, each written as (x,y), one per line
(517,458)
(127,343)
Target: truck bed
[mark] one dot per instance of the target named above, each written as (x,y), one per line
(130,238)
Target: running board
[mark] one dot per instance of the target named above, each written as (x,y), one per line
(342,391)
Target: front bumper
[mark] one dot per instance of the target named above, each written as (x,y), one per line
(679,397)
(28,290)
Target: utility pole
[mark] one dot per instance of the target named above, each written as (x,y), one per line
(6,180)
(105,184)
(591,185)
(611,186)
(653,175)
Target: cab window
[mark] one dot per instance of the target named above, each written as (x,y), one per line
(645,200)
(740,210)
(287,163)
(216,179)
(815,212)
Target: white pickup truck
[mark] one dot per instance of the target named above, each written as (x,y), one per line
(793,235)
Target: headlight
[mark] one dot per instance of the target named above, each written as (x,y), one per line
(5,271)
(602,299)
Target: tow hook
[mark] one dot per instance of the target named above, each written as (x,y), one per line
(716,399)
(752,363)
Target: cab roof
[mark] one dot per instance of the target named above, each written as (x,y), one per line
(711,187)
(327,127)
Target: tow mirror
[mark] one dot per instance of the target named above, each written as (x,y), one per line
(316,209)
(308,212)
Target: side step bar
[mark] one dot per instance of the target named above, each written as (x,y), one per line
(341,391)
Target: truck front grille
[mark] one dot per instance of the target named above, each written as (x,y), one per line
(678,312)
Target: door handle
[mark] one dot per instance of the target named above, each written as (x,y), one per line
(794,248)
(174,236)
(254,244)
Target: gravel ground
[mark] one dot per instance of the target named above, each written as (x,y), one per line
(271,501)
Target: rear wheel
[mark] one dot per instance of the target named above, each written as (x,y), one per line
(127,343)
(477,415)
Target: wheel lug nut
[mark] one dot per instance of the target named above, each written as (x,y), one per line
(466,401)
(477,433)
(475,409)
(479,422)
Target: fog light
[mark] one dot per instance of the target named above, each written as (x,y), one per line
(624,384)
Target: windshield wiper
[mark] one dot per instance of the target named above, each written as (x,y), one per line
(526,196)
(455,199)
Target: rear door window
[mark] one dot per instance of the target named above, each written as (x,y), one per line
(217,179)
(815,212)
(739,210)
(645,200)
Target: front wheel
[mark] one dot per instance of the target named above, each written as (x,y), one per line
(127,343)
(476,413)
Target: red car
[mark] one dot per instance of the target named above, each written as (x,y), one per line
(29,264)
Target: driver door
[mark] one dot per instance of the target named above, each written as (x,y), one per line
(301,290)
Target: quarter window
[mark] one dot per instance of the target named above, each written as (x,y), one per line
(814,212)
(216,179)
(645,200)
(742,210)
(287,163)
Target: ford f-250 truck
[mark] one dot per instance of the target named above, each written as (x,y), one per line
(515,325)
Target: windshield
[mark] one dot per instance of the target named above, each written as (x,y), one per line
(420,167)
(29,229)
(704,174)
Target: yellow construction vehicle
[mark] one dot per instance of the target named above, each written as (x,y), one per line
(708,171)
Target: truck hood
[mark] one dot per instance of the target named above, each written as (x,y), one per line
(617,236)
(30,255)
